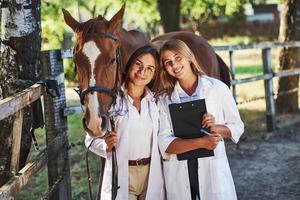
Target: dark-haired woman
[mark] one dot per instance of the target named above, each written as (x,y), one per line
(135,139)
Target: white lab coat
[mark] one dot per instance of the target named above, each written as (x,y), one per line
(215,180)
(155,189)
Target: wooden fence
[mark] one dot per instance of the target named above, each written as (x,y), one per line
(267,76)
(55,155)
(56,113)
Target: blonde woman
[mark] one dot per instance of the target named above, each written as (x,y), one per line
(139,163)
(182,80)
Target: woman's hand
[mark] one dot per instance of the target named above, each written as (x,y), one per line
(211,142)
(111,141)
(222,130)
(215,129)
(208,120)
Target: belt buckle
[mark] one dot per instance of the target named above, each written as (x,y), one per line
(137,162)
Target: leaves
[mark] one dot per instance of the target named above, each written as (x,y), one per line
(139,14)
(205,10)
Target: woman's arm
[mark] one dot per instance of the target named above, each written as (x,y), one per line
(233,122)
(179,145)
(222,130)
(96,145)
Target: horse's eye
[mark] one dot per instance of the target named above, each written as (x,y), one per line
(112,61)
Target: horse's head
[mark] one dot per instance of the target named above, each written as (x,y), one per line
(96,56)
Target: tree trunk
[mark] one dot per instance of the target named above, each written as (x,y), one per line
(19,69)
(169,13)
(289,31)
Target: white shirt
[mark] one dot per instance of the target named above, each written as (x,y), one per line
(155,188)
(140,129)
(184,97)
(215,180)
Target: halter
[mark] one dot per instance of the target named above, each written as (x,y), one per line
(113,93)
(101,89)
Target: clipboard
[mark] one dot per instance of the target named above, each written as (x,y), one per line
(186,121)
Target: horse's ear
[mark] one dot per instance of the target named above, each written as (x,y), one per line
(116,20)
(70,20)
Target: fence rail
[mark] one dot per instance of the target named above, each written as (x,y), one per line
(55,156)
(12,104)
(267,75)
(267,45)
(21,178)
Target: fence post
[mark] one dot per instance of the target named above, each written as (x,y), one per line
(16,141)
(56,125)
(270,106)
(232,71)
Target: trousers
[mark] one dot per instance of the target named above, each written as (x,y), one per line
(138,182)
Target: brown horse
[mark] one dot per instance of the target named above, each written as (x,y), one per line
(96,58)
(99,66)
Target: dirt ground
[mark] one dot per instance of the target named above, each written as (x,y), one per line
(267,167)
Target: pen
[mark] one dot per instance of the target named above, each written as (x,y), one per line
(207,133)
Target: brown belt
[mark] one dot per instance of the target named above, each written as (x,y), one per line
(143,161)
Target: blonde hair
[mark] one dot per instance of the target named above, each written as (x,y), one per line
(164,83)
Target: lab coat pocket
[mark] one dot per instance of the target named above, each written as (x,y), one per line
(220,175)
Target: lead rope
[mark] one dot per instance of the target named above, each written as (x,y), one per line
(100,183)
(102,160)
(88,170)
(115,186)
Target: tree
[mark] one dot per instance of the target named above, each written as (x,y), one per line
(201,12)
(139,14)
(289,57)
(19,69)
(169,11)
(143,15)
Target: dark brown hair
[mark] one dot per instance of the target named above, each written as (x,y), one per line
(148,49)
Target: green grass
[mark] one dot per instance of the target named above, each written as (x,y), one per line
(73,102)
(249,70)
(36,186)
(75,128)
(39,184)
(254,121)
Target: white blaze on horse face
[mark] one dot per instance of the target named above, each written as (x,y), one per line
(92,52)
